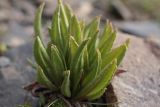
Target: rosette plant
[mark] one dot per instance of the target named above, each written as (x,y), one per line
(78,63)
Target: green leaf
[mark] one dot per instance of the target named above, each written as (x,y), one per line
(86,61)
(42,79)
(68,12)
(64,26)
(75,29)
(91,28)
(106,47)
(96,95)
(65,88)
(94,69)
(38,50)
(106,76)
(73,46)
(63,14)
(108,30)
(77,65)
(37,21)
(32,64)
(117,53)
(98,83)
(92,47)
(42,58)
(55,32)
(49,48)
(57,64)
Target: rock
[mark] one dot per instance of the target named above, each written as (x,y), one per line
(84,9)
(5,4)
(154,45)
(121,9)
(21,53)
(15,77)
(142,29)
(4,61)
(140,85)
(4,28)
(25,8)
(17,35)
(4,15)
(16,15)
(4,10)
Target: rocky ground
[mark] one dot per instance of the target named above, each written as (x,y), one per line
(138,87)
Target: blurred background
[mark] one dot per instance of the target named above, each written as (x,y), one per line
(138,19)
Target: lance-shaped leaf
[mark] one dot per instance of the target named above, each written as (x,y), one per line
(37,21)
(38,49)
(68,12)
(96,95)
(73,46)
(65,88)
(42,79)
(106,34)
(75,29)
(105,80)
(55,32)
(91,28)
(98,83)
(63,14)
(49,48)
(95,67)
(76,64)
(64,26)
(42,57)
(106,47)
(57,64)
(86,61)
(92,47)
(117,53)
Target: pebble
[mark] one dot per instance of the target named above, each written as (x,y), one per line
(4,61)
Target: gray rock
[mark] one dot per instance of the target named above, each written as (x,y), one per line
(5,4)
(140,85)
(4,61)
(15,77)
(27,9)
(140,28)
(154,45)
(4,15)
(17,35)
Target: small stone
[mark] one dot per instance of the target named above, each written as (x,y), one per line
(4,61)
(27,9)
(5,4)
(17,35)
(4,15)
